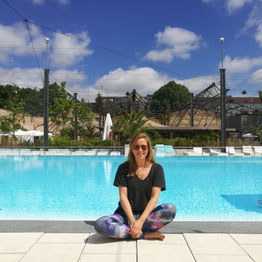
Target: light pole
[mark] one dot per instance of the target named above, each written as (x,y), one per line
(46,99)
(75,113)
(222,39)
(223,99)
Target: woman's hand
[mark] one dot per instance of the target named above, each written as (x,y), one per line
(136,228)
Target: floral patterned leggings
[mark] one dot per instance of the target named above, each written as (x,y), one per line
(115,225)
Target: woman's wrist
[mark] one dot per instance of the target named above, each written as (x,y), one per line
(132,221)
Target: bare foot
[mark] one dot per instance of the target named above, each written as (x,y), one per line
(154,235)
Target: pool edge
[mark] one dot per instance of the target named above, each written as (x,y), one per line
(48,226)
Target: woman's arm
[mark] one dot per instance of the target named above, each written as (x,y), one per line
(126,204)
(137,226)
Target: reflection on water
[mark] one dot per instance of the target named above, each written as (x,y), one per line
(107,170)
(247,202)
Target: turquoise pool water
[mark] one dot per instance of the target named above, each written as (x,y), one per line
(80,188)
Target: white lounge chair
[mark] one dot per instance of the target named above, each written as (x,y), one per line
(213,152)
(126,149)
(57,152)
(247,150)
(78,153)
(160,150)
(9,152)
(115,153)
(90,153)
(29,152)
(103,153)
(169,150)
(63,153)
(258,150)
(231,151)
(197,151)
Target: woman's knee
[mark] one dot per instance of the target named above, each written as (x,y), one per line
(99,224)
(168,211)
(111,226)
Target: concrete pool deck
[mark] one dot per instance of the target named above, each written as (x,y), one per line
(76,241)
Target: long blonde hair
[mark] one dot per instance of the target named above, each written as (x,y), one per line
(131,158)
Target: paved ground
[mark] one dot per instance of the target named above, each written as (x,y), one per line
(76,241)
(89,247)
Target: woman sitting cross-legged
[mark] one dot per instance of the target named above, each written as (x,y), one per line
(139,180)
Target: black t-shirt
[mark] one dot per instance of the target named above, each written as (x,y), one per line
(139,191)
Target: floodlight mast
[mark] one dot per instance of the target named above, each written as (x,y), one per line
(222,39)
(46,41)
(223,99)
(46,98)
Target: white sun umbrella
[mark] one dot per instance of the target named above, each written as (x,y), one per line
(248,135)
(20,132)
(107,127)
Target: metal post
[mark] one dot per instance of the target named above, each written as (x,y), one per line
(223,108)
(46,108)
(191,110)
(223,99)
(46,99)
(75,111)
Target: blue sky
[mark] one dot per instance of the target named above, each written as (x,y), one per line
(160,41)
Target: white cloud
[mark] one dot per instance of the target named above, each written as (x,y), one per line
(177,42)
(16,42)
(144,79)
(67,75)
(255,16)
(64,51)
(241,65)
(197,84)
(233,5)
(254,20)
(33,77)
(38,2)
(41,2)
(256,77)
(208,1)
(30,77)
(63,2)
(69,51)
(258,35)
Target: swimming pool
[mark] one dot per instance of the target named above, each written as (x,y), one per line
(80,188)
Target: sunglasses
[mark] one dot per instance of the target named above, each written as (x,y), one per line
(143,147)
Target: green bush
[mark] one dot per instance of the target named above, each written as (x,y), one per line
(97,142)
(164,141)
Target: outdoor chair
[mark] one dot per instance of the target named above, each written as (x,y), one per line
(160,150)
(247,151)
(213,152)
(169,150)
(115,153)
(90,153)
(103,153)
(197,151)
(258,150)
(231,151)
(9,152)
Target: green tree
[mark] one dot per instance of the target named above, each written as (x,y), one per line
(260,95)
(256,130)
(7,92)
(33,101)
(129,124)
(86,125)
(61,110)
(113,109)
(99,108)
(169,98)
(11,122)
